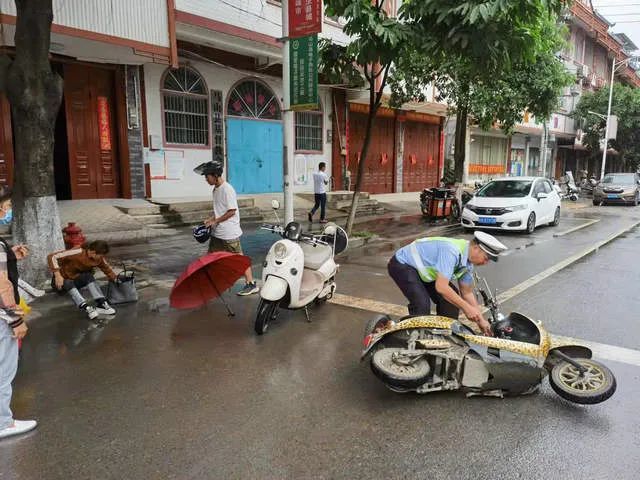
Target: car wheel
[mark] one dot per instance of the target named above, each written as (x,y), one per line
(556,218)
(597,203)
(531,223)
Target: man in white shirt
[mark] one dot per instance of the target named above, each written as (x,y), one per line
(225,222)
(320,182)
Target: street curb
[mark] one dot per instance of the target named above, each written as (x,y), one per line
(575,229)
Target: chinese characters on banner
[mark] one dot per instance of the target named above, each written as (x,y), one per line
(303,55)
(104,123)
(217,113)
(305,17)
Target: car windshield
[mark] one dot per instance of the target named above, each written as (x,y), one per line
(506,188)
(622,179)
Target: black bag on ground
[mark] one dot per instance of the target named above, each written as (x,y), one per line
(123,290)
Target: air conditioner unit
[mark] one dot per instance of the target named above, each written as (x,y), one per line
(580,71)
(586,71)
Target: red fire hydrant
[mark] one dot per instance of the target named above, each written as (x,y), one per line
(72,235)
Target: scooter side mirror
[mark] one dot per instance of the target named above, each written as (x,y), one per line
(275,204)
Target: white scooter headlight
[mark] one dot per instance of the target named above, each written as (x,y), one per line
(280,250)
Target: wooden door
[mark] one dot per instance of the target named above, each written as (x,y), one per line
(91,132)
(6,143)
(380,166)
(421,156)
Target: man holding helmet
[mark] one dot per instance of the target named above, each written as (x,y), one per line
(225,222)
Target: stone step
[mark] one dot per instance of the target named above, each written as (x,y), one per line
(158,208)
(335,196)
(176,224)
(346,204)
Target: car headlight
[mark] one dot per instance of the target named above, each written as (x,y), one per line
(280,250)
(516,208)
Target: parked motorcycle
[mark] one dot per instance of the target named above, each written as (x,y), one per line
(568,187)
(299,270)
(588,185)
(430,353)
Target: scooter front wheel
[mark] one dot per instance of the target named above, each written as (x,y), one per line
(595,385)
(266,312)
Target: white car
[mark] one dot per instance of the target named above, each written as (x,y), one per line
(513,203)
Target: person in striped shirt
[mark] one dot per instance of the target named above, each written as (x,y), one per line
(73,270)
(12,327)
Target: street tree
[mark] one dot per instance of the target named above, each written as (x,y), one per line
(484,57)
(625,105)
(35,93)
(376,41)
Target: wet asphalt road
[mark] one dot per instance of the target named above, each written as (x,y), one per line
(161,394)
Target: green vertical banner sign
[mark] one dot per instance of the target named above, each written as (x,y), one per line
(303,55)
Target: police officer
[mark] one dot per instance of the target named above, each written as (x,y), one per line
(426,269)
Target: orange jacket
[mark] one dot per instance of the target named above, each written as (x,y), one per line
(71,263)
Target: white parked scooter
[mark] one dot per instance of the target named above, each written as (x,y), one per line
(299,269)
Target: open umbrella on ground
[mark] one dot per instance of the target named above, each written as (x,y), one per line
(206,278)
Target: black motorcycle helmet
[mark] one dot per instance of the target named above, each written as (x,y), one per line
(209,168)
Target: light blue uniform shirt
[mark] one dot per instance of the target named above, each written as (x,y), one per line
(438,255)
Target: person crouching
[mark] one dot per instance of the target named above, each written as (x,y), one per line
(73,270)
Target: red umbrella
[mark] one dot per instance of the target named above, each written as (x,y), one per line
(206,278)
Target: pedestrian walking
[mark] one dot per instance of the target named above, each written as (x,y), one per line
(320,182)
(427,269)
(73,270)
(12,327)
(225,221)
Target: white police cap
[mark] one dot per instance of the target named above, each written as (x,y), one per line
(490,244)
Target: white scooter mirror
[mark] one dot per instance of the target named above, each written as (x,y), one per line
(275,204)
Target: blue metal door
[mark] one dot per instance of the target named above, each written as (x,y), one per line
(254,155)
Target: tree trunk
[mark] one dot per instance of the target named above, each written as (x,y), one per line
(460,148)
(373,109)
(35,94)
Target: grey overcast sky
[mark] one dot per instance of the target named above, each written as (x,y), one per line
(625,14)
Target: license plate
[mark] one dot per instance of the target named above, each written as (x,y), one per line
(611,195)
(487,220)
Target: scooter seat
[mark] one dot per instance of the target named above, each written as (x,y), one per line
(315,257)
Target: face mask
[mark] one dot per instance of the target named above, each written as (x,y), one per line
(8,217)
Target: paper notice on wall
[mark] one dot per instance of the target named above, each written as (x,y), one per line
(301,170)
(174,161)
(157,167)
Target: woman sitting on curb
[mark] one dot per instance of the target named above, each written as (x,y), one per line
(73,270)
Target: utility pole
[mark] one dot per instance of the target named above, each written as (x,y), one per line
(606,129)
(287,118)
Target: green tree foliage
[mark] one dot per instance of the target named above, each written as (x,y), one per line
(376,41)
(626,106)
(490,61)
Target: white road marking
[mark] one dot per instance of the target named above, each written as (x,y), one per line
(575,229)
(530,282)
(600,350)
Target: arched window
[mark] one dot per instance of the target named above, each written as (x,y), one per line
(253,99)
(185,106)
(309,131)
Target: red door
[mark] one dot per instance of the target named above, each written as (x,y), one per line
(6,143)
(380,165)
(421,156)
(91,131)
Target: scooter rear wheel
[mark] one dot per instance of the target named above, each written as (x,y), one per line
(266,311)
(386,364)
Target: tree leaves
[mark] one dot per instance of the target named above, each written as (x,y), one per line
(626,105)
